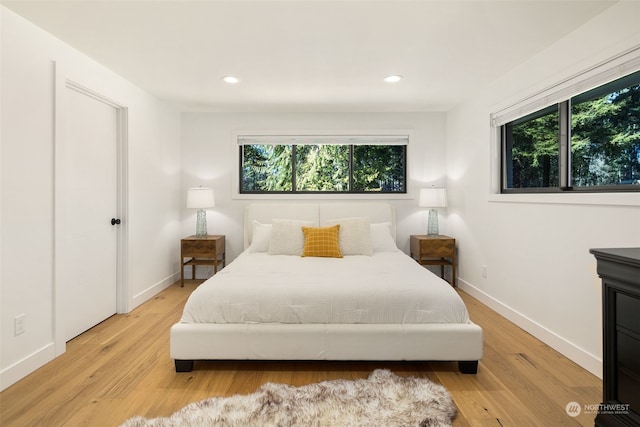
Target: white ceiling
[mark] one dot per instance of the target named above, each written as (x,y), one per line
(310,56)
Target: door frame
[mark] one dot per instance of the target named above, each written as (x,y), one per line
(64,82)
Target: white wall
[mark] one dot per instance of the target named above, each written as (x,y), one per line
(209,156)
(540,272)
(26,188)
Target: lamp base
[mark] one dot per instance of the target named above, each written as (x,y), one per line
(201,223)
(432,224)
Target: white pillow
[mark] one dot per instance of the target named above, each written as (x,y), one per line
(260,237)
(381,238)
(287,237)
(355,236)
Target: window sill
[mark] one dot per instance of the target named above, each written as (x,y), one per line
(333,196)
(600,199)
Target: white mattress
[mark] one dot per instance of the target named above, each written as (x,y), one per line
(386,288)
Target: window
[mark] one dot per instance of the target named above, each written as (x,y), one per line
(532,150)
(325,164)
(605,135)
(590,142)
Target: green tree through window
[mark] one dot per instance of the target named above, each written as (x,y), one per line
(601,154)
(322,168)
(379,168)
(605,136)
(533,148)
(266,168)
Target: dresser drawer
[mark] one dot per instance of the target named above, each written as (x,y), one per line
(628,350)
(628,386)
(628,312)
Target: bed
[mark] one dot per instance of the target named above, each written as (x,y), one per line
(370,301)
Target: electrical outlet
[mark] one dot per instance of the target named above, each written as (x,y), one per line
(19,324)
(484,271)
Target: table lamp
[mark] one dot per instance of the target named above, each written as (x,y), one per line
(433,198)
(201,198)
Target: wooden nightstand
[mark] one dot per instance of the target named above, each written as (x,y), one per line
(434,250)
(207,250)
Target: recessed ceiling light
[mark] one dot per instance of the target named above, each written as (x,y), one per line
(393,79)
(230,79)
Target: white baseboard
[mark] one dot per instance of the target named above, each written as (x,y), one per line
(587,360)
(14,373)
(153,290)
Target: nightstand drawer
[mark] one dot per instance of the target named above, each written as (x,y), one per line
(198,247)
(437,248)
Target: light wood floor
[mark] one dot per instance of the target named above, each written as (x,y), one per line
(121,368)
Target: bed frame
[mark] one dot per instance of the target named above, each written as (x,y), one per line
(408,342)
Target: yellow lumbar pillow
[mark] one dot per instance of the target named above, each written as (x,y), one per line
(322,241)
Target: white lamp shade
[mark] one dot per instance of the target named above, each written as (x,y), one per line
(433,198)
(200,198)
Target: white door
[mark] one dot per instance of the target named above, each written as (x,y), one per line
(87,201)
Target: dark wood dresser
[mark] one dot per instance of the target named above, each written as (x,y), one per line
(619,269)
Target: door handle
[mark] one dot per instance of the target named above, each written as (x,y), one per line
(115,221)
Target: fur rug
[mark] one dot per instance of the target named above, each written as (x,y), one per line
(383,399)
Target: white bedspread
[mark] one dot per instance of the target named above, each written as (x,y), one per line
(384,288)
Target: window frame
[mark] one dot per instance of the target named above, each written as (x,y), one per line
(394,137)
(505,156)
(564,142)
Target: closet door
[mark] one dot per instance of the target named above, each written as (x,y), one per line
(87,167)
